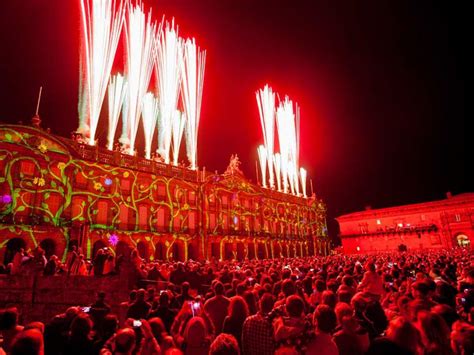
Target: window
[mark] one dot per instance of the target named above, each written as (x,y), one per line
(378,222)
(143,216)
(457,216)
(423,217)
(364,229)
(102,208)
(123,216)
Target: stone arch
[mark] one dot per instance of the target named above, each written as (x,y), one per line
(143,250)
(276,250)
(240,251)
(49,247)
(251,251)
(261,251)
(160,251)
(123,248)
(12,246)
(228,251)
(215,250)
(193,251)
(98,244)
(178,250)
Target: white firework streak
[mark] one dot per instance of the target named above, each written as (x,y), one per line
(168,56)
(281,118)
(179,121)
(262,157)
(277,163)
(303,175)
(102,22)
(150,112)
(266,107)
(141,34)
(192,76)
(115,96)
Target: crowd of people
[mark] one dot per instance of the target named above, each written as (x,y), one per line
(398,303)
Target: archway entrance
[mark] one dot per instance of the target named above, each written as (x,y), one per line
(142,248)
(160,251)
(49,247)
(13,245)
(463,241)
(99,244)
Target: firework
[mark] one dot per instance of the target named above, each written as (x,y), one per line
(192,75)
(140,34)
(266,107)
(116,95)
(277,164)
(262,156)
(179,121)
(102,22)
(303,175)
(149,118)
(168,57)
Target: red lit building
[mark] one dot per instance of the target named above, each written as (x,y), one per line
(55,192)
(430,225)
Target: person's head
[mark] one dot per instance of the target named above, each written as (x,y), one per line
(347,280)
(403,333)
(195,331)
(238,308)
(9,319)
(319,285)
(110,324)
(35,325)
(164,298)
(294,306)
(224,344)
(420,289)
(218,288)
(81,326)
(157,328)
(133,295)
(447,313)
(141,294)
(101,295)
(266,303)
(370,266)
(185,288)
(288,287)
(324,319)
(28,342)
(251,301)
(329,298)
(344,296)
(151,292)
(462,338)
(433,329)
(342,309)
(125,341)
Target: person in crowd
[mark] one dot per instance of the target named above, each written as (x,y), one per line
(140,308)
(9,327)
(434,333)
(196,338)
(224,344)
(237,313)
(28,342)
(257,331)
(324,321)
(216,307)
(80,339)
(163,310)
(372,283)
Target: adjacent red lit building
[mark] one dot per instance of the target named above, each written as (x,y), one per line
(429,225)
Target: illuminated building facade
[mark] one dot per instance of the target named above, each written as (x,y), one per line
(431,225)
(57,193)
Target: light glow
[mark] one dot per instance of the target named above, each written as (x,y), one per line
(192,74)
(168,57)
(116,96)
(149,118)
(179,121)
(102,22)
(140,35)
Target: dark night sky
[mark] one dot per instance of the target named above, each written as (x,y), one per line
(380,85)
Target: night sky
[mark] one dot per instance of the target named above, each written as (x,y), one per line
(381,86)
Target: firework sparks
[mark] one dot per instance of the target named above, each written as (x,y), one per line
(149,118)
(303,175)
(116,95)
(192,75)
(102,22)
(167,62)
(179,121)
(140,34)
(277,163)
(266,107)
(262,155)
